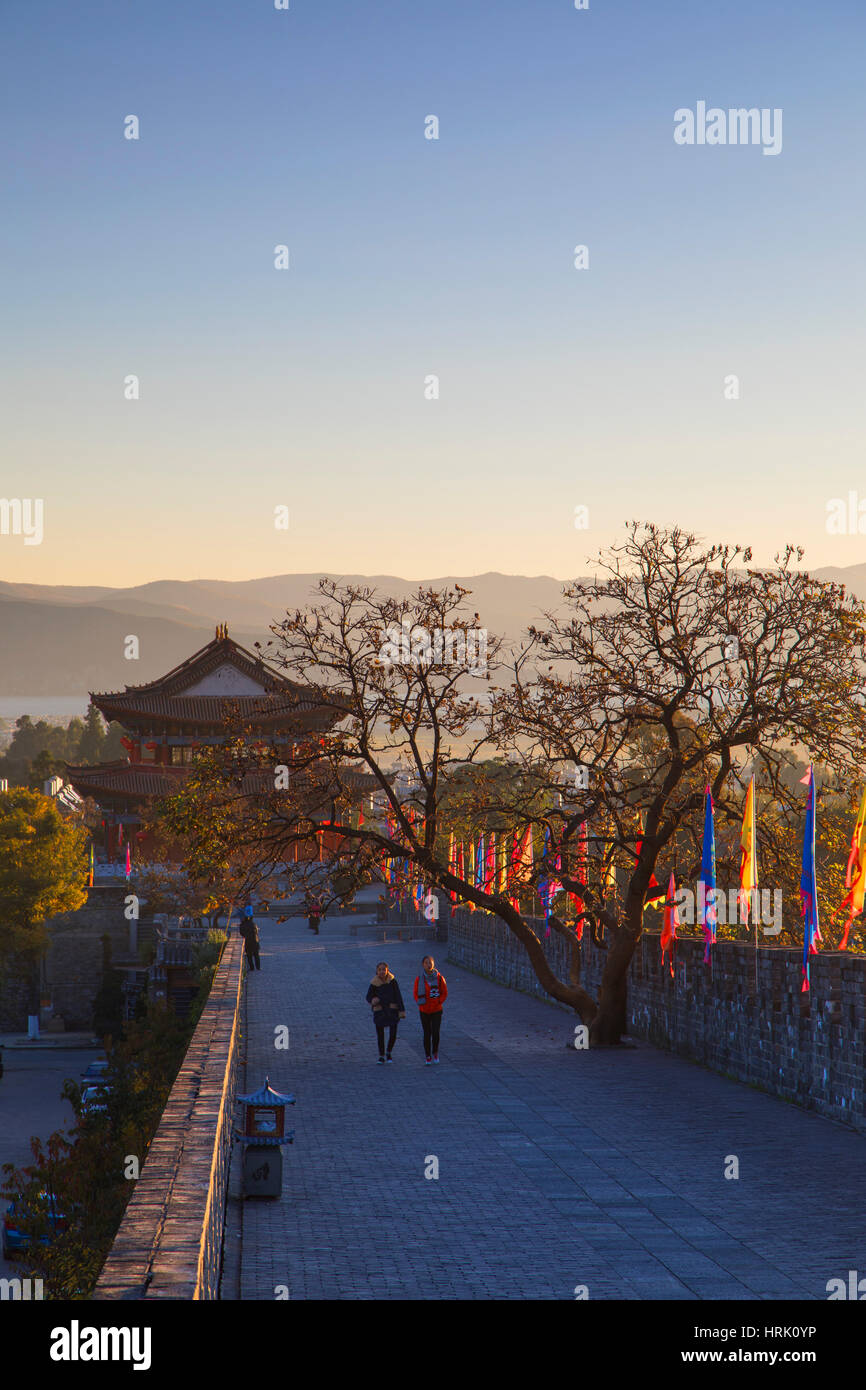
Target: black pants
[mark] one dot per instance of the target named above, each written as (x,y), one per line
(380,1037)
(313,924)
(253,960)
(431,1023)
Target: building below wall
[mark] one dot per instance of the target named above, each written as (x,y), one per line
(69,978)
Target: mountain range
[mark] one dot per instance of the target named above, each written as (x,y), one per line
(61,639)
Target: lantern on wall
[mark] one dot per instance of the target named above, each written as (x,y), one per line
(263,1135)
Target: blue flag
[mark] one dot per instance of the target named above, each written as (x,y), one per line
(546,886)
(708,914)
(808,884)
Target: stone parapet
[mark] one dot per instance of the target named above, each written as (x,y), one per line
(169,1244)
(758,1028)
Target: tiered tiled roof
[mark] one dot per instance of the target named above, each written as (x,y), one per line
(138,781)
(282,703)
(126,779)
(280,706)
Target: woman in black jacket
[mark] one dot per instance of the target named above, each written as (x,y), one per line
(388,1008)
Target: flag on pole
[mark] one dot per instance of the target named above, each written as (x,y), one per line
(707,912)
(523,864)
(515,864)
(452,868)
(490,863)
(546,885)
(671,923)
(502,863)
(655,890)
(608,878)
(748,857)
(470,871)
(462,873)
(580,875)
(855,873)
(808,883)
(128,861)
(90,875)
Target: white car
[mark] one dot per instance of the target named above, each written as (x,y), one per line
(94,1100)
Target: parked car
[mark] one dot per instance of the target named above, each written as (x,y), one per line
(15,1240)
(95,1071)
(94,1099)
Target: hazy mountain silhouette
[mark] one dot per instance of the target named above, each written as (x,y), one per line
(59,639)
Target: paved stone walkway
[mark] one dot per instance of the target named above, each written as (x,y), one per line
(557,1168)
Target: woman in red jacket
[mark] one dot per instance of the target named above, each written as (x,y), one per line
(430,993)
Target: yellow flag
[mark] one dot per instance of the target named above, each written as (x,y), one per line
(470,869)
(609,879)
(857,847)
(502,863)
(855,873)
(748,855)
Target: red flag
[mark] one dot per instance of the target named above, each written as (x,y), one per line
(671,923)
(580,875)
(452,869)
(515,851)
(655,891)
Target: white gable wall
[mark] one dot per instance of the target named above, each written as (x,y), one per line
(225,680)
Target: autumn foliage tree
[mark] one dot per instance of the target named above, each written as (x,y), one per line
(678,666)
(43,871)
(687,666)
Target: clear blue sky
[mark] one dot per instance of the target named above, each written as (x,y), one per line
(559,387)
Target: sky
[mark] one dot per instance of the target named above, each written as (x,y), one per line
(602,388)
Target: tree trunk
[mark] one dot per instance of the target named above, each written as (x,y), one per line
(574,995)
(610,1022)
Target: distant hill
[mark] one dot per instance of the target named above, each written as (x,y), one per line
(59,639)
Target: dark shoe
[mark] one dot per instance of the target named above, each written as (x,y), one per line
(435,1056)
(428,1061)
(389,1058)
(380,1060)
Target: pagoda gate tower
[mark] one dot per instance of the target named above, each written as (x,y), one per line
(167,720)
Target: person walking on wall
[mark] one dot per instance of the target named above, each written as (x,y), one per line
(430,993)
(314,914)
(250,933)
(388,1008)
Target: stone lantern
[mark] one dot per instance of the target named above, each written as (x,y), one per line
(263,1135)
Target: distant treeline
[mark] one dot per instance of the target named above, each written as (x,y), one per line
(39,751)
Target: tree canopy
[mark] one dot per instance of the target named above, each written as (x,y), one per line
(679,666)
(43,869)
